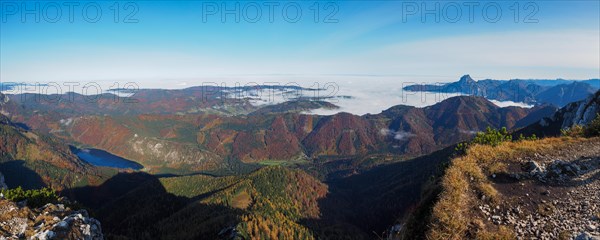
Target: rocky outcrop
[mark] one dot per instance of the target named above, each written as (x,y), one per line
(52,221)
(581,113)
(556,171)
(577,113)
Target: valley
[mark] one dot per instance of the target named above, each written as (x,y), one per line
(217,143)
(279,174)
(305,120)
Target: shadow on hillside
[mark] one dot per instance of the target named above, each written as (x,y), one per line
(137,206)
(366,205)
(17,174)
(115,187)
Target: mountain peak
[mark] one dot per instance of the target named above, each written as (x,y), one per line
(466,101)
(466,78)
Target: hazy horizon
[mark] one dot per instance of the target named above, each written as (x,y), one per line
(155,42)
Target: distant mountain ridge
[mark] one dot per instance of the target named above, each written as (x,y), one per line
(559,93)
(226,101)
(212,141)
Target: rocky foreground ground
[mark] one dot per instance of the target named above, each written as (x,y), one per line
(52,221)
(555,196)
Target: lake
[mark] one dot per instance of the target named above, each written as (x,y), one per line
(102,158)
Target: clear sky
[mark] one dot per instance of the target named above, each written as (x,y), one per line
(177,40)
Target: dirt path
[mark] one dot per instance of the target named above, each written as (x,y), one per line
(551,196)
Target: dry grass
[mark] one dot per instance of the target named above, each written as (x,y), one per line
(466,181)
(502,233)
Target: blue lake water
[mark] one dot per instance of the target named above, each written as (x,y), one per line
(102,158)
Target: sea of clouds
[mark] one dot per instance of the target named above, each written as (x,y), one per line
(356,94)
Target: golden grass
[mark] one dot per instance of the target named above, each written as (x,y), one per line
(502,233)
(467,179)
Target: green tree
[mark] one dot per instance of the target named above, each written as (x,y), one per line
(34,197)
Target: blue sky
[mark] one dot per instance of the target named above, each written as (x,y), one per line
(171,41)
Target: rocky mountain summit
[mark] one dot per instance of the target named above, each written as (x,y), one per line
(52,221)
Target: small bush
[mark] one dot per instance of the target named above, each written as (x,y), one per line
(461,148)
(533,137)
(574,131)
(34,197)
(491,137)
(593,128)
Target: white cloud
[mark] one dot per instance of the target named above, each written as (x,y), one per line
(510,104)
(66,122)
(471,132)
(398,135)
